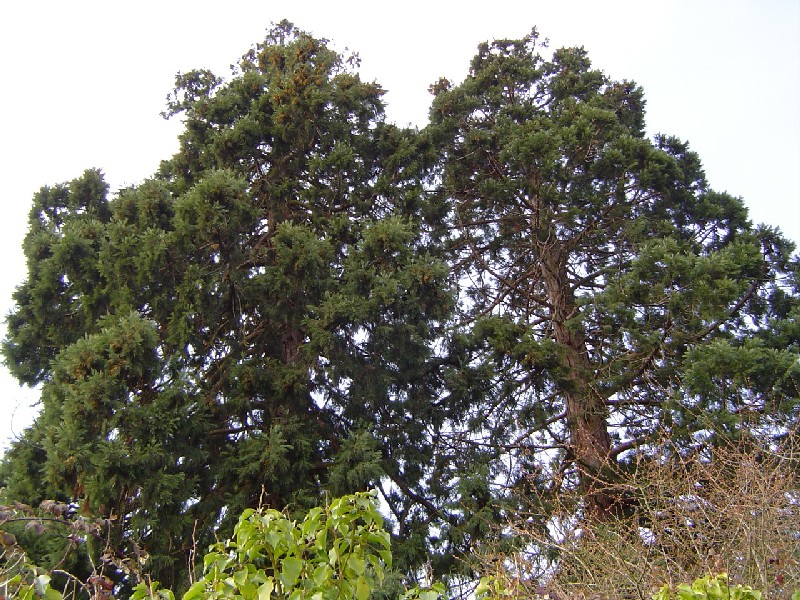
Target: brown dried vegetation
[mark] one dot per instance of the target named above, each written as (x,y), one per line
(733,509)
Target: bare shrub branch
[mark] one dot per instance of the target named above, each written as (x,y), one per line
(734,508)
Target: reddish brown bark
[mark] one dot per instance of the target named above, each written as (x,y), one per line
(590,443)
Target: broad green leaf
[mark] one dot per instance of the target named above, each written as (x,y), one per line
(483,587)
(265,589)
(322,573)
(290,571)
(52,594)
(195,591)
(362,589)
(357,564)
(246,514)
(240,577)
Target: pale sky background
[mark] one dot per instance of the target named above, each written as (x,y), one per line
(83,84)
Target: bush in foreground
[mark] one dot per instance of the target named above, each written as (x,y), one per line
(339,551)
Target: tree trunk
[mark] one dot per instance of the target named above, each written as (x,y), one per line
(590,443)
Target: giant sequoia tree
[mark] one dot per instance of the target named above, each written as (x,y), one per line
(251,325)
(273,315)
(609,296)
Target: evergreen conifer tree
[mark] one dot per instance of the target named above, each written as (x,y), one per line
(252,325)
(608,295)
(306,300)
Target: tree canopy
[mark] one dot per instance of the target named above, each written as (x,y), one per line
(308,300)
(607,293)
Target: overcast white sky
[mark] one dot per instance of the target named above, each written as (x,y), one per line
(84,82)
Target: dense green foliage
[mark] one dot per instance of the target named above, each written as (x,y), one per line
(707,588)
(607,293)
(339,551)
(307,300)
(255,322)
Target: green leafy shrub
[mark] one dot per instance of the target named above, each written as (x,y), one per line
(711,587)
(340,551)
(19,578)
